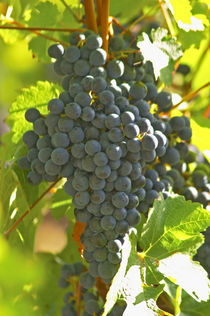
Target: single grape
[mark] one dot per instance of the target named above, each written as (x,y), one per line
(44,142)
(56,106)
(30,139)
(32,154)
(60,140)
(120,199)
(76,135)
(24,163)
(65,124)
(131,130)
(115,68)
(138,90)
(32,115)
(97,58)
(87,281)
(81,67)
(34,178)
(81,199)
(106,270)
(97,196)
(51,168)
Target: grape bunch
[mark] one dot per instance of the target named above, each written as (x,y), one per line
(109,135)
(70,275)
(90,303)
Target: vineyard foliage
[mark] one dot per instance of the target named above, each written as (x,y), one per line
(157,274)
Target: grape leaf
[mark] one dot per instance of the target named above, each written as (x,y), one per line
(49,298)
(121,11)
(190,307)
(149,292)
(71,3)
(45,14)
(140,298)
(39,46)
(181,10)
(7,186)
(10,36)
(162,51)
(18,290)
(36,96)
(188,274)
(61,203)
(190,38)
(200,127)
(173,225)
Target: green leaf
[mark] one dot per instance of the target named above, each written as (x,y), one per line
(200,128)
(166,43)
(149,293)
(39,47)
(140,298)
(8,149)
(166,73)
(10,36)
(61,203)
(49,298)
(152,274)
(36,96)
(188,274)
(20,278)
(162,51)
(45,14)
(184,17)
(121,11)
(190,307)
(190,38)
(173,225)
(74,4)
(7,187)
(181,10)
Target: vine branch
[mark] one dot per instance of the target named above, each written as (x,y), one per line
(22,26)
(6,234)
(98,9)
(71,11)
(105,23)
(139,19)
(50,29)
(90,15)
(166,17)
(200,60)
(191,95)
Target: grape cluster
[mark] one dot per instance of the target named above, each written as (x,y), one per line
(70,273)
(104,134)
(90,302)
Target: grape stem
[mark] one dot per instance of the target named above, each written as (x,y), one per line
(105,24)
(90,16)
(98,9)
(191,95)
(23,27)
(77,18)
(51,29)
(6,234)
(200,61)
(79,299)
(139,19)
(124,30)
(166,17)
